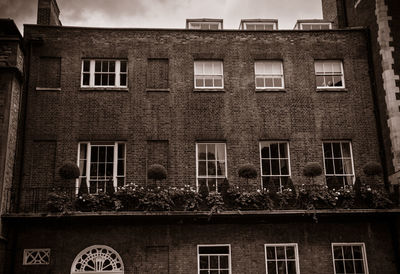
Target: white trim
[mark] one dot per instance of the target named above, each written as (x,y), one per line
(274,25)
(343,86)
(296,254)
(363,250)
(216,171)
(210,245)
(281,76)
(213,62)
(315,23)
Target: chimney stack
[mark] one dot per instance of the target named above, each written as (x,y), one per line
(48,13)
(335,11)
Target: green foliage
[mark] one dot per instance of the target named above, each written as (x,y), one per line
(375,197)
(203,190)
(247,171)
(59,201)
(157,172)
(69,171)
(312,169)
(372,169)
(215,202)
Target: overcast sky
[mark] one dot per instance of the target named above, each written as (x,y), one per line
(164,13)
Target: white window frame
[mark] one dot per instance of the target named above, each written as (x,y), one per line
(213,75)
(296,255)
(92,74)
(315,24)
(207,176)
(288,159)
(88,162)
(329,73)
(211,245)
(199,24)
(363,251)
(274,27)
(38,261)
(342,158)
(266,75)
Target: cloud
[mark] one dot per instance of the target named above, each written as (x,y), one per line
(164,13)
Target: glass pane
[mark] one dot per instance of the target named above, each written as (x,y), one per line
(339,267)
(259,82)
(120,167)
(336,67)
(280,252)
(357,252)
(275,167)
(220,152)
(86,80)
(277,82)
(203,262)
(358,264)
(211,151)
(82,167)
(274,151)
(270,252)
(93,169)
(327,67)
(198,68)
(327,150)
(281,267)
(199,82)
(212,184)
(346,150)
(338,166)
(214,272)
(111,66)
(86,65)
(208,68)
(329,81)
(337,81)
(347,252)
(290,252)
(213,26)
(337,252)
(347,166)
(97,79)
(123,66)
(336,150)
(214,262)
(223,263)
(291,267)
(276,68)
(122,80)
(109,169)
(94,154)
(250,26)
(218,82)
(104,80)
(110,154)
(218,68)
(212,168)
(208,82)
(271,268)
(266,167)
(97,67)
(83,148)
(221,168)
(306,27)
(203,271)
(320,81)
(265,151)
(102,154)
(102,170)
(259,27)
(268,26)
(201,150)
(111,80)
(283,150)
(202,168)
(259,68)
(105,66)
(324,26)
(284,167)
(349,266)
(318,67)
(269,82)
(329,167)
(121,151)
(224,271)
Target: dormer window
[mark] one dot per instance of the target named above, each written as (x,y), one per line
(259,24)
(315,26)
(204,24)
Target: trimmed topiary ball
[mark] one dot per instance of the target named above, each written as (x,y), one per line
(372,169)
(157,172)
(69,171)
(247,171)
(312,169)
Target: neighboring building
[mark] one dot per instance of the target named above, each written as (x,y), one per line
(202,102)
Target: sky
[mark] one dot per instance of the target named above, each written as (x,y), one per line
(164,13)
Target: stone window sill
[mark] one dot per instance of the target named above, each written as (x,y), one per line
(211,90)
(48,89)
(111,89)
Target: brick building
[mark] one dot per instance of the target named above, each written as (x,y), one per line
(202,102)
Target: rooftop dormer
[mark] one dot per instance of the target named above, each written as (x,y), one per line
(258,24)
(204,24)
(313,24)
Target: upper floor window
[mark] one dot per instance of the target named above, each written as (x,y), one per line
(338,163)
(275,164)
(214,259)
(282,258)
(104,73)
(268,74)
(315,26)
(211,164)
(102,165)
(204,24)
(208,75)
(349,258)
(329,74)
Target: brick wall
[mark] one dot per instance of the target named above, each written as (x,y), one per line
(239,115)
(172,248)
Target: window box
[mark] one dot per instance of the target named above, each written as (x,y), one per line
(104,73)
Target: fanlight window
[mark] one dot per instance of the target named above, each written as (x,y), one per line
(98,259)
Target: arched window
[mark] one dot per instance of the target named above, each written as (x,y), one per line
(98,259)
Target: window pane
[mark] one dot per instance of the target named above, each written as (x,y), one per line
(266,167)
(259,82)
(218,68)
(349,266)
(327,150)
(270,252)
(347,252)
(211,168)
(214,262)
(212,184)
(220,152)
(291,267)
(224,262)
(290,252)
(109,169)
(199,82)
(111,80)
(319,67)
(357,252)
(104,80)
(359,266)
(123,66)
(284,167)
(221,168)
(280,252)
(202,168)
(265,151)
(97,67)
(339,266)
(203,262)
(123,79)
(94,154)
(276,68)
(121,151)
(111,66)
(201,150)
(337,251)
(86,65)
(105,66)
(277,82)
(211,151)
(283,150)
(338,166)
(218,82)
(271,268)
(275,167)
(336,150)
(336,67)
(329,167)
(86,80)
(208,68)
(198,68)
(337,81)
(269,82)
(259,68)
(281,267)
(320,81)
(97,79)
(208,82)
(121,167)
(274,151)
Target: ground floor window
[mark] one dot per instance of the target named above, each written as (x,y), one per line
(282,259)
(39,256)
(349,258)
(214,259)
(102,165)
(98,259)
